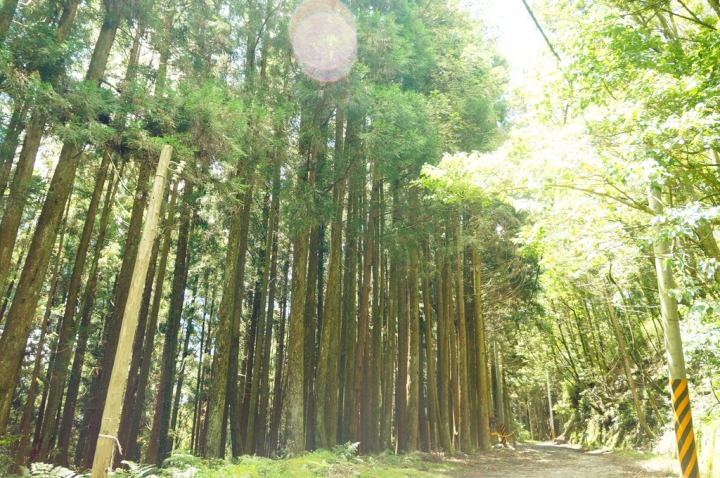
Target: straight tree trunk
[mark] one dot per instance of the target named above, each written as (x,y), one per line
(327,386)
(294,400)
(310,335)
(480,347)
(359,361)
(260,430)
(129,401)
(159,444)
(443,334)
(439,433)
(181,373)
(114,324)
(30,403)
(131,422)
(105,446)
(413,386)
(233,391)
(224,336)
(465,440)
(66,338)
(263,325)
(19,322)
(679,388)
(377,319)
(389,358)
(68,416)
(279,360)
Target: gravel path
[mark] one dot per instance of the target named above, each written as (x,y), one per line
(564,461)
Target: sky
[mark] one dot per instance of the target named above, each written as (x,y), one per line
(510,23)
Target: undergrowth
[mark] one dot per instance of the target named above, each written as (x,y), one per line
(341,461)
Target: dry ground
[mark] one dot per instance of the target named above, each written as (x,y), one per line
(564,461)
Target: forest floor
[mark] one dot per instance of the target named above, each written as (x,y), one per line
(537,460)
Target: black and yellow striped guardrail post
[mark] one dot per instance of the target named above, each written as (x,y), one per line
(684,434)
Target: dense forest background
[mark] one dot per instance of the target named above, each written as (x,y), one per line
(405,257)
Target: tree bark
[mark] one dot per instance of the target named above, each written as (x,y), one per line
(105,446)
(66,336)
(131,422)
(30,403)
(68,416)
(480,347)
(360,353)
(19,322)
(465,440)
(159,444)
(279,361)
(411,433)
(114,324)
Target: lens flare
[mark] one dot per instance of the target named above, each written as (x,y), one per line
(323,35)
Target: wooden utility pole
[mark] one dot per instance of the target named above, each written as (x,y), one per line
(679,391)
(111,414)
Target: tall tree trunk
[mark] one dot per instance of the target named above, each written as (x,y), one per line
(181,374)
(224,337)
(294,400)
(454,383)
(199,393)
(349,310)
(159,445)
(679,388)
(264,325)
(279,360)
(310,323)
(122,292)
(327,386)
(413,387)
(359,362)
(377,315)
(129,401)
(66,337)
(22,310)
(443,334)
(68,416)
(499,386)
(131,422)
(30,403)
(105,443)
(389,357)
(464,415)
(233,390)
(439,433)
(480,346)
(260,430)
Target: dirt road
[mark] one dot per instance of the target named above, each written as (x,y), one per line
(564,461)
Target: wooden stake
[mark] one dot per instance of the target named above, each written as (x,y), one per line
(113,405)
